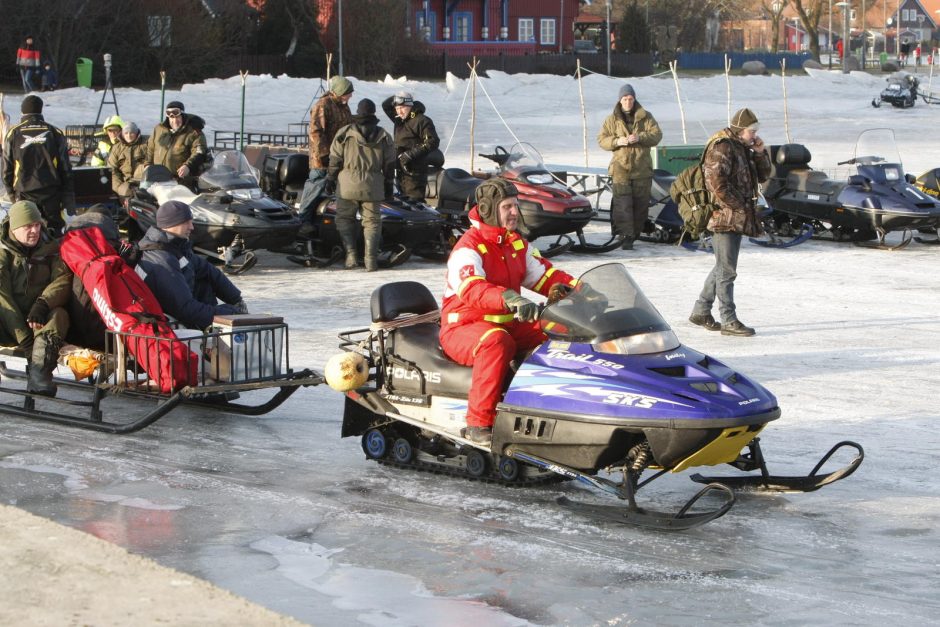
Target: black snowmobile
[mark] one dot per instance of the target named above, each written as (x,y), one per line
(901,91)
(407,227)
(547,207)
(877,199)
(611,390)
(231,215)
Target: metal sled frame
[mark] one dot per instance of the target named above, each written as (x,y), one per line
(217,385)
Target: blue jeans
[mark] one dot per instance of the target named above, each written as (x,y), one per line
(313,191)
(720,281)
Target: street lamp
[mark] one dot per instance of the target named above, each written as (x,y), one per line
(846,47)
(608,38)
(339,21)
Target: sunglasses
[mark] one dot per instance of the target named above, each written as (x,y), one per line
(172,113)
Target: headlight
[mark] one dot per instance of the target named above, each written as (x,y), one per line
(540,179)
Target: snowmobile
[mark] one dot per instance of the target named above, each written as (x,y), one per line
(611,391)
(666,225)
(407,227)
(901,91)
(547,207)
(929,183)
(870,203)
(231,215)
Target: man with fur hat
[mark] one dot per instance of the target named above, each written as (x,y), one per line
(629,133)
(415,140)
(127,160)
(485,321)
(179,143)
(187,286)
(736,162)
(362,168)
(36,165)
(330,113)
(34,288)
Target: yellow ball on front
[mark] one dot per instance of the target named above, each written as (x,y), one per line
(346,371)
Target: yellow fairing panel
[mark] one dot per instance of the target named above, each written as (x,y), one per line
(722,450)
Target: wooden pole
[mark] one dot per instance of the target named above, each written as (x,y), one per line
(673,65)
(786,111)
(473,107)
(728,85)
(583,112)
(162,94)
(329,67)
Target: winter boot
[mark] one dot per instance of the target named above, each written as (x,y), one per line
(347,233)
(42,364)
(372,250)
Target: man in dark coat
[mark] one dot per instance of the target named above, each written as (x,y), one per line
(736,162)
(362,161)
(187,286)
(179,143)
(36,165)
(34,289)
(415,138)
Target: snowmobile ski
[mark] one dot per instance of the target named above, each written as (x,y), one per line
(775,240)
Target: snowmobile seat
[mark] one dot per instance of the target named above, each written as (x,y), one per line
(155,174)
(457,189)
(392,300)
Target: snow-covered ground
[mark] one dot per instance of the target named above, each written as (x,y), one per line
(281,510)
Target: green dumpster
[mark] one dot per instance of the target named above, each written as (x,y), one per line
(675,159)
(83,71)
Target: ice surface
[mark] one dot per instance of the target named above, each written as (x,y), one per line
(281,510)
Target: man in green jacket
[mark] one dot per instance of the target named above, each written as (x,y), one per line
(35,285)
(179,143)
(361,171)
(629,132)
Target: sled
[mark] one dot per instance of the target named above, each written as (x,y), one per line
(235,360)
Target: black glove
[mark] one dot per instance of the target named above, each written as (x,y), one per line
(241,307)
(524,309)
(38,313)
(403,160)
(329,186)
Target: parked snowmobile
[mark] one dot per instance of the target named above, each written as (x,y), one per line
(874,201)
(407,227)
(612,389)
(231,215)
(929,183)
(547,208)
(901,91)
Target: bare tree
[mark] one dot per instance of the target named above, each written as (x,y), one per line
(810,11)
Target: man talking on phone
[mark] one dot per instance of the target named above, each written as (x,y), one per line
(736,162)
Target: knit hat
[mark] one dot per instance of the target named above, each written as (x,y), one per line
(23,213)
(404,98)
(176,104)
(131,128)
(340,86)
(626,90)
(31,105)
(744,118)
(488,196)
(171,213)
(365,108)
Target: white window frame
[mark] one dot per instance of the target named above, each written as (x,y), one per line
(526,25)
(547,38)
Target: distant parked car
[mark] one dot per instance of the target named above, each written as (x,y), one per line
(584,46)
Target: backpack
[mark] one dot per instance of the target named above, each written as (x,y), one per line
(694,201)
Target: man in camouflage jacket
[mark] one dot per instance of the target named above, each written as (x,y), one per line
(736,162)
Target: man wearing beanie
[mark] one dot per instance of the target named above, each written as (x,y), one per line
(361,172)
(179,143)
(35,285)
(330,113)
(187,286)
(736,162)
(485,321)
(415,141)
(127,160)
(629,132)
(36,165)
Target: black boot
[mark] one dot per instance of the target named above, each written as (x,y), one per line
(42,363)
(372,245)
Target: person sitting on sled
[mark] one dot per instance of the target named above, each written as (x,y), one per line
(485,321)
(34,288)
(186,285)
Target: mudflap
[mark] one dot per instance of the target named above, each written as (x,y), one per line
(358,419)
(765,482)
(776,241)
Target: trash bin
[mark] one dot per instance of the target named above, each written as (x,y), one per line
(83,71)
(883,58)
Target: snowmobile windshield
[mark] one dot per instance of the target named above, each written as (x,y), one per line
(231,172)
(609,310)
(526,162)
(876,156)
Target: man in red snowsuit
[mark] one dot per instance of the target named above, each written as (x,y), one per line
(485,322)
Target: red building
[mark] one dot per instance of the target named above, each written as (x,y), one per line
(483,26)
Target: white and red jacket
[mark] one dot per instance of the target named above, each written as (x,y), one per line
(487,261)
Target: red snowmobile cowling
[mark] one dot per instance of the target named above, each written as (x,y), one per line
(128,307)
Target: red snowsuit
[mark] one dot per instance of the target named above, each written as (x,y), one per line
(476,327)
